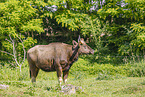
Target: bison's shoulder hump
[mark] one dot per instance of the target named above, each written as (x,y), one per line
(32,49)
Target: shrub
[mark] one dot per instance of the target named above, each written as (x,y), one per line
(94,68)
(137,69)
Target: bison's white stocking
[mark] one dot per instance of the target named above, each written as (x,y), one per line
(60,80)
(65,80)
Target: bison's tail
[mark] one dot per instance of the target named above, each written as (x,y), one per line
(30,73)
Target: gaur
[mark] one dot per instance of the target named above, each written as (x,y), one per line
(57,57)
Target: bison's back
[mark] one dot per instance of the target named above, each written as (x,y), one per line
(52,51)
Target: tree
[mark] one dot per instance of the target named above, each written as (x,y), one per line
(112,26)
(126,25)
(15,17)
(14,54)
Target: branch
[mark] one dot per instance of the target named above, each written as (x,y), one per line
(8,40)
(6,53)
(23,49)
(14,52)
(11,39)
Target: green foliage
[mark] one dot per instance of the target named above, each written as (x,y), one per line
(33,25)
(137,69)
(113,27)
(94,68)
(107,71)
(136,45)
(79,70)
(18,19)
(126,25)
(29,42)
(139,41)
(107,81)
(11,73)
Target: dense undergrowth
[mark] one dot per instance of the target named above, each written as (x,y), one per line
(97,80)
(80,69)
(129,70)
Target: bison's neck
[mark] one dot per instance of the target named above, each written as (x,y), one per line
(74,54)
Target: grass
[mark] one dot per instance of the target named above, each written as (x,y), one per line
(126,87)
(97,80)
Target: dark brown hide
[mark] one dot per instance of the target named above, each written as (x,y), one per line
(55,57)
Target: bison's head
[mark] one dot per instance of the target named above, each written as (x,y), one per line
(83,48)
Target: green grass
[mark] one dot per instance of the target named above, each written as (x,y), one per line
(97,80)
(127,87)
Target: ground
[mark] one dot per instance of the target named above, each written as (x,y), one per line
(96,80)
(48,87)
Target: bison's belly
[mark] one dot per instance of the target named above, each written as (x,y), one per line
(46,64)
(47,68)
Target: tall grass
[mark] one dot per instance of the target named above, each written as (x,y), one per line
(81,69)
(96,79)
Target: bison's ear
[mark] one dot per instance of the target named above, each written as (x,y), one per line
(74,43)
(81,42)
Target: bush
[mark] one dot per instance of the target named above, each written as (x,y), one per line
(81,69)
(102,70)
(94,68)
(9,73)
(137,69)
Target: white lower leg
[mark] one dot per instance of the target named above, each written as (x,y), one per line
(65,80)
(60,80)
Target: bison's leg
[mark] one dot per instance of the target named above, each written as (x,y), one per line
(65,75)
(33,72)
(59,73)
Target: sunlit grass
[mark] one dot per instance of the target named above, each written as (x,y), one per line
(92,87)
(104,83)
